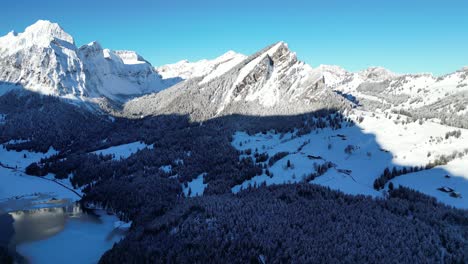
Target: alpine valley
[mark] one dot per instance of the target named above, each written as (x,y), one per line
(256,158)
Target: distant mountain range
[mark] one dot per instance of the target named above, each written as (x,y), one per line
(45,59)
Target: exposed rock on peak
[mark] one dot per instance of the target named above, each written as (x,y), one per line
(270,82)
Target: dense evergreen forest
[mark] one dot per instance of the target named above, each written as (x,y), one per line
(300,223)
(291,223)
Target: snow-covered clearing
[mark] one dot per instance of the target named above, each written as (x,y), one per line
(196,187)
(376,143)
(166,168)
(18,190)
(123,151)
(411,143)
(358,169)
(21,159)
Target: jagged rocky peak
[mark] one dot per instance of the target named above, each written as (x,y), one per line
(279,53)
(262,64)
(43,59)
(44,31)
(90,49)
(130,57)
(282,52)
(377,74)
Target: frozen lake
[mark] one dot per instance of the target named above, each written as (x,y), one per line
(66,234)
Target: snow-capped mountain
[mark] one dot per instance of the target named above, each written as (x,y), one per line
(45,59)
(271,81)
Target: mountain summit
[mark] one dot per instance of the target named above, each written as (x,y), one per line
(46,31)
(44,59)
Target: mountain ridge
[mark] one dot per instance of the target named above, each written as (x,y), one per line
(45,59)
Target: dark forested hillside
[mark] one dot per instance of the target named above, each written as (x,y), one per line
(292,223)
(300,224)
(47,121)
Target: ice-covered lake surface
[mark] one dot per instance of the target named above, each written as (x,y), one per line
(63,234)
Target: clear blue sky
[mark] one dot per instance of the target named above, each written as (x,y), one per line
(402,35)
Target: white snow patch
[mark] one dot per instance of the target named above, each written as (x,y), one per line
(21,159)
(166,168)
(15,185)
(196,186)
(429,181)
(123,151)
(122,225)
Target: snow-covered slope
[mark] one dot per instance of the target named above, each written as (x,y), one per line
(269,82)
(377,142)
(44,59)
(443,98)
(112,73)
(208,69)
